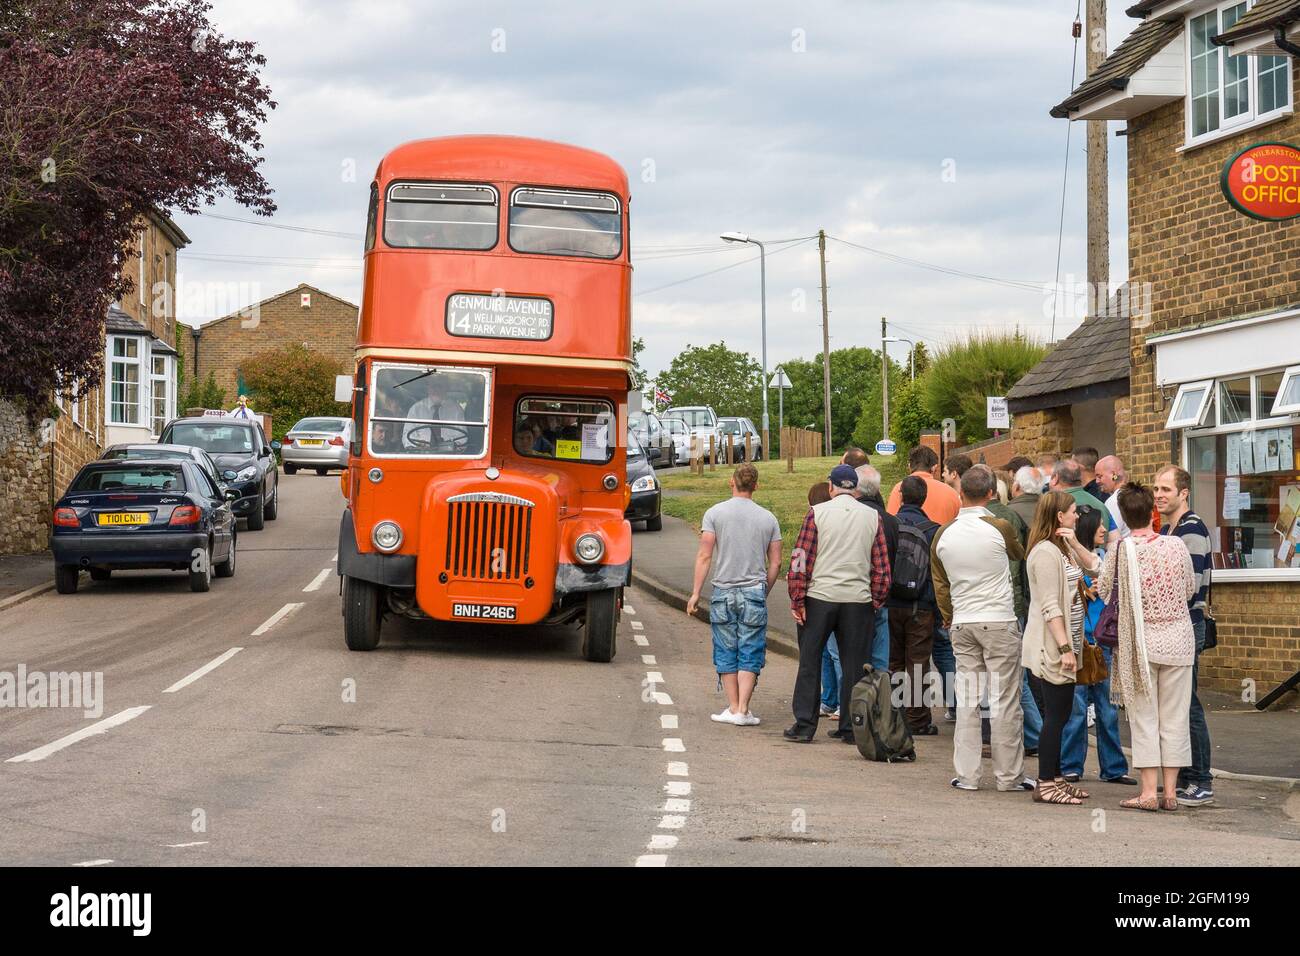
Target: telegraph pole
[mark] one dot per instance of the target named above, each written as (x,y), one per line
(1098,190)
(826,347)
(884,376)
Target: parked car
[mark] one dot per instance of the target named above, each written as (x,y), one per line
(320,443)
(734,430)
(703,423)
(245,457)
(641,478)
(681,438)
(182,452)
(654,438)
(145,513)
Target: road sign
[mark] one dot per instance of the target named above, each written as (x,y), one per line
(779,380)
(886,447)
(998,414)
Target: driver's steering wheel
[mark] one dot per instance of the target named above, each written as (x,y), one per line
(456,443)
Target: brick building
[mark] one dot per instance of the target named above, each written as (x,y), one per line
(138,394)
(304,315)
(1215,360)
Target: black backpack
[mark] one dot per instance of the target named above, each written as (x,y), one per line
(911,571)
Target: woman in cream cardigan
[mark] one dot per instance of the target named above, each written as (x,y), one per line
(1053,641)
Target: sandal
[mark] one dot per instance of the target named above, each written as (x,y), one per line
(1076,791)
(1137,803)
(1168,803)
(1051,791)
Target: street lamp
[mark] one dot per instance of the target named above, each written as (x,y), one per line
(762,273)
(911,352)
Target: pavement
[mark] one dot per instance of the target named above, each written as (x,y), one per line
(1246,742)
(236,728)
(23,576)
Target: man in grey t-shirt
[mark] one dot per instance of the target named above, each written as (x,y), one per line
(742,542)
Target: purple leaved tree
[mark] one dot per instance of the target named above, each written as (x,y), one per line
(108,109)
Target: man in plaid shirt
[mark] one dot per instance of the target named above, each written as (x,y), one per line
(839,576)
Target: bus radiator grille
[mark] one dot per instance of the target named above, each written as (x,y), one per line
(488,540)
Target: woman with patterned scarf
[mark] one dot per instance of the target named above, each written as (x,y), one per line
(1153,663)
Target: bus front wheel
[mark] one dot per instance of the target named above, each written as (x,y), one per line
(600,626)
(362,614)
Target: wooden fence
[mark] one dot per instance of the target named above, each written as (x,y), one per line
(801,443)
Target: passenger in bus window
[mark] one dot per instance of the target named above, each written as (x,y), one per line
(383,438)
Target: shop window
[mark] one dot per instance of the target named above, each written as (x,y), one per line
(1287,399)
(1234,401)
(1190,404)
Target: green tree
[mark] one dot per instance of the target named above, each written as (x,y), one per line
(292,383)
(868,427)
(855,372)
(638,373)
(963,374)
(908,415)
(718,376)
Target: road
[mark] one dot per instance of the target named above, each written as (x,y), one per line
(482,745)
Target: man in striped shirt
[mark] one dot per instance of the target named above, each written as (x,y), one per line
(1172,491)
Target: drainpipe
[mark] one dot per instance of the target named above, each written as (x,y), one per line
(195,333)
(1283,43)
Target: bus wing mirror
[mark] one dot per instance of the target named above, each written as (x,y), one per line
(343,389)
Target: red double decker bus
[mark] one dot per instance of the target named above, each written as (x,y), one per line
(486,481)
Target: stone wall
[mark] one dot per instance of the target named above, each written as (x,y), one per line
(1049,430)
(24,484)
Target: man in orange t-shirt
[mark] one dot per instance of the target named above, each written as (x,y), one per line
(941,502)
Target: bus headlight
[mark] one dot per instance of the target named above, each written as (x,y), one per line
(387,536)
(644,483)
(589,548)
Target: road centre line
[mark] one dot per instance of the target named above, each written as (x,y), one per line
(652,859)
(640,640)
(668,722)
(93,863)
(99,727)
(317,581)
(628,610)
(276,618)
(648,659)
(205,669)
(678,769)
(672,822)
(638,626)
(674,745)
(678,788)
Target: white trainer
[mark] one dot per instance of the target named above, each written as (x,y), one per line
(725,716)
(749,720)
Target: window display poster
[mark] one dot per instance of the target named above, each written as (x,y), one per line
(1286,452)
(1273,444)
(1231,498)
(595,439)
(1288,497)
(1234,454)
(1261,450)
(1247,454)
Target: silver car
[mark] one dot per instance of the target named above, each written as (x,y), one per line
(320,443)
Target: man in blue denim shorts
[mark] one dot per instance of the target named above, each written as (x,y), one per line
(742,542)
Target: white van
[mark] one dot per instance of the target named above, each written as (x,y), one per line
(703,423)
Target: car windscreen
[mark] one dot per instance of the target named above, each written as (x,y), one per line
(215,438)
(564,429)
(633,446)
(129,478)
(332,425)
(429,411)
(729,428)
(695,417)
(440,216)
(148,451)
(564,222)
(675,426)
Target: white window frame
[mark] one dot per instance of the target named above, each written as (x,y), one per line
(1209,385)
(1289,375)
(141,283)
(1251,117)
(142,377)
(169,391)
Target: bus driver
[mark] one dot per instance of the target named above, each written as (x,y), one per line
(435,405)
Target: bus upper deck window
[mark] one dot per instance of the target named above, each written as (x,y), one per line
(440,216)
(563,222)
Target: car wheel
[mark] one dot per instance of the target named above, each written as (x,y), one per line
(226,569)
(257,520)
(290,468)
(600,626)
(201,580)
(362,614)
(273,509)
(100,574)
(655,524)
(66,577)
(322,472)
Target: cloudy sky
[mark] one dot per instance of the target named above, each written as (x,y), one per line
(917,129)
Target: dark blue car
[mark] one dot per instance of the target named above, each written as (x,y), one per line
(143,513)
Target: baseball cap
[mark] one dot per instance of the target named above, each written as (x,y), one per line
(844,476)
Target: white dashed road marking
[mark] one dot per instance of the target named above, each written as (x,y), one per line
(628,610)
(678,788)
(181,846)
(276,618)
(662,698)
(654,677)
(40,753)
(638,626)
(93,863)
(678,769)
(640,640)
(318,580)
(652,859)
(206,668)
(674,745)
(668,722)
(672,823)
(648,659)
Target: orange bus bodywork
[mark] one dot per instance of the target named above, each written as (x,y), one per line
(492,536)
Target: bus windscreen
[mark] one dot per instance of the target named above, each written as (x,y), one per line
(429,412)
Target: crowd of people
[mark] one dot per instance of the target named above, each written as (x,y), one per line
(1029,603)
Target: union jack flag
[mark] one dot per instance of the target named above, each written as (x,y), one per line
(662,396)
